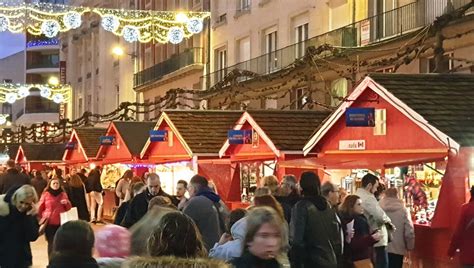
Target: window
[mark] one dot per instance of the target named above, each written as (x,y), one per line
(244,5)
(338,91)
(271,40)
(244,49)
(301,35)
(447,64)
(221,63)
(296,99)
(222,18)
(146,109)
(380,128)
(270,102)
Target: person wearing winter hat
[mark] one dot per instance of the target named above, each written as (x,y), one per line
(112,244)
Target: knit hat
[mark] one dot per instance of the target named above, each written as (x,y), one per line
(113,241)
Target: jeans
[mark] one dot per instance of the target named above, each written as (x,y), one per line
(49,233)
(395,260)
(381,257)
(96,199)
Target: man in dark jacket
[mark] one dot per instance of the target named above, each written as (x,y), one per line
(205,209)
(314,228)
(12,177)
(139,204)
(288,195)
(95,195)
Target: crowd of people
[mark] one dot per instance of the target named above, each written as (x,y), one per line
(294,223)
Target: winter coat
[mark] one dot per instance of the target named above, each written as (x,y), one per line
(139,206)
(463,236)
(232,249)
(17,230)
(248,260)
(39,184)
(93,181)
(121,211)
(287,203)
(77,196)
(375,215)
(203,209)
(404,234)
(110,262)
(314,233)
(171,261)
(67,260)
(50,207)
(361,244)
(12,178)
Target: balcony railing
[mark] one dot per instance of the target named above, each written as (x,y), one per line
(156,72)
(386,25)
(44,62)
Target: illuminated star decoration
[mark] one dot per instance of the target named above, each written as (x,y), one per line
(175,35)
(4,23)
(50,28)
(72,20)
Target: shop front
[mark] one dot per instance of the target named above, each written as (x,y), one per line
(185,143)
(119,151)
(260,140)
(413,131)
(82,147)
(40,156)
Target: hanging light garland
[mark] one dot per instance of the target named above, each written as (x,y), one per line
(133,25)
(13,92)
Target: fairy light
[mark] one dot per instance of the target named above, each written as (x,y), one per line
(45,91)
(195,26)
(130,34)
(4,23)
(23,92)
(3,119)
(10,92)
(58,98)
(110,23)
(72,20)
(11,97)
(50,28)
(175,35)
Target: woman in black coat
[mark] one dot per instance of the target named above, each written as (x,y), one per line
(76,192)
(18,226)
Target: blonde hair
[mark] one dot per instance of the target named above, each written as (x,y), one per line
(75,181)
(257,217)
(23,193)
(271,182)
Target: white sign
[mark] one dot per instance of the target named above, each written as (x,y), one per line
(353,145)
(365,33)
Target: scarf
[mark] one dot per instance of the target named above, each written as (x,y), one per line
(54,192)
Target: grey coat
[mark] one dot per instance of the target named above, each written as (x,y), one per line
(404,235)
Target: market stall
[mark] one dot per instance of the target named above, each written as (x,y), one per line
(187,142)
(40,156)
(416,132)
(82,147)
(262,139)
(119,150)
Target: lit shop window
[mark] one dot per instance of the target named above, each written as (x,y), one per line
(380,128)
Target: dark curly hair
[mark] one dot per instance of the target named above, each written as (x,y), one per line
(176,235)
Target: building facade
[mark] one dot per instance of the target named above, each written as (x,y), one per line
(100,79)
(268,54)
(161,67)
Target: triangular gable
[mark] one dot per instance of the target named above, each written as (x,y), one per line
(116,152)
(20,156)
(76,155)
(369,83)
(247,120)
(161,151)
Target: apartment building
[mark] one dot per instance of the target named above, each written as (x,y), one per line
(161,67)
(100,79)
(270,40)
(12,70)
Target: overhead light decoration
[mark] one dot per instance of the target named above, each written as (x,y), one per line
(195,26)
(11,97)
(175,35)
(3,119)
(130,34)
(181,17)
(50,28)
(23,92)
(4,23)
(72,20)
(58,98)
(110,23)
(45,91)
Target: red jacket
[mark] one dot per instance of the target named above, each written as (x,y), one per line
(463,236)
(50,206)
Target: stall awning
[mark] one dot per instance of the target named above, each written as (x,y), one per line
(369,160)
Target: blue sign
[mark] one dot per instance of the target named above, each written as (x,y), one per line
(158,135)
(71,145)
(360,117)
(107,140)
(239,136)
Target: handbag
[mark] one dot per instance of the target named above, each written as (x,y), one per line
(365,263)
(70,215)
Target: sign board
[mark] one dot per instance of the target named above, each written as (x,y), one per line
(70,145)
(352,145)
(364,32)
(107,140)
(158,135)
(239,136)
(360,117)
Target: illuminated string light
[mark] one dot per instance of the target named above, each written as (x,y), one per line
(23,92)
(45,91)
(11,92)
(58,98)
(50,28)
(175,35)
(11,97)
(72,20)
(4,23)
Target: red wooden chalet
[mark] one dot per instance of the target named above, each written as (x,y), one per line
(83,145)
(38,156)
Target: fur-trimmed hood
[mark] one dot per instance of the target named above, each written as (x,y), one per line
(172,262)
(4,206)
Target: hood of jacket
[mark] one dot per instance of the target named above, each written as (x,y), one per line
(209,194)
(391,204)
(239,229)
(320,202)
(171,261)
(4,206)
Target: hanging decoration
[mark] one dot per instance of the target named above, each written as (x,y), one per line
(133,25)
(13,92)
(3,120)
